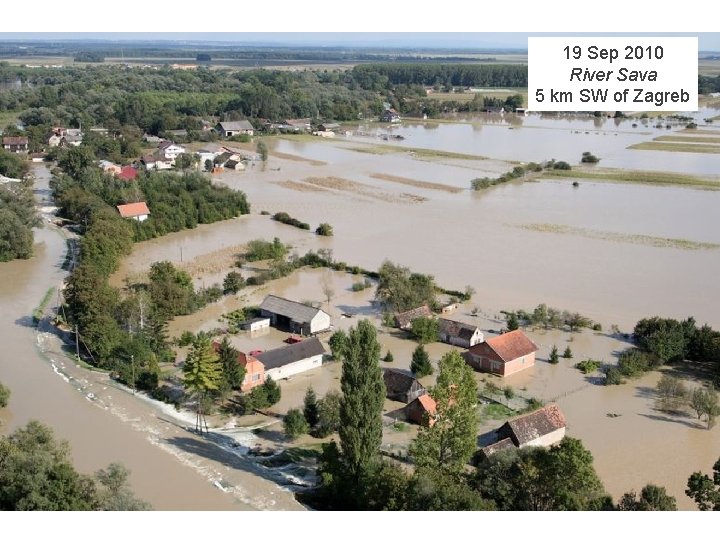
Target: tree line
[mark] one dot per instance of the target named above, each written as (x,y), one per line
(17,210)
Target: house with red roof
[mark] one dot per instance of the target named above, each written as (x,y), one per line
(127,173)
(421,411)
(503,355)
(404,320)
(543,427)
(138,211)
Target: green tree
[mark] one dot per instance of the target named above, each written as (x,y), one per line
(568,352)
(705,402)
(328,414)
(4,395)
(171,290)
(432,489)
(575,321)
(36,473)
(420,365)
(113,492)
(361,407)
(388,357)
(652,498)
(672,393)
(512,322)
(233,372)
(449,443)
(400,290)
(272,391)
(202,374)
(705,491)
(16,238)
(310,407)
(425,330)
(554,358)
(324,229)
(295,424)
(262,149)
(233,282)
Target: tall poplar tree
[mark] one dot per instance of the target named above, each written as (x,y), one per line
(361,406)
(449,443)
(203,373)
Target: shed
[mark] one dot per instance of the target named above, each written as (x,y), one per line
(421,411)
(294,316)
(400,386)
(459,333)
(229,129)
(258,323)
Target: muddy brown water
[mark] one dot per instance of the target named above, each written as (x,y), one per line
(170,467)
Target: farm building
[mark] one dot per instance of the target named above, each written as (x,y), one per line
(292,359)
(258,323)
(400,386)
(459,334)
(404,320)
(294,316)
(229,129)
(421,411)
(16,145)
(543,427)
(503,355)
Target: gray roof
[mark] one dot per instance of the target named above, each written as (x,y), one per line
(457,329)
(295,311)
(289,354)
(236,126)
(398,382)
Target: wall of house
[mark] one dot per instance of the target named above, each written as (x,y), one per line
(519,364)
(548,439)
(259,325)
(141,218)
(255,376)
(320,322)
(300,366)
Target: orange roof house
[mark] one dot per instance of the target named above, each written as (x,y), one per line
(504,355)
(422,411)
(254,372)
(138,211)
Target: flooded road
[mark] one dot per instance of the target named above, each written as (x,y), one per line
(170,467)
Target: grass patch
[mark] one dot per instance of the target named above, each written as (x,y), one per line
(38,311)
(676,147)
(383,149)
(496,411)
(641,239)
(415,183)
(688,139)
(293,455)
(636,177)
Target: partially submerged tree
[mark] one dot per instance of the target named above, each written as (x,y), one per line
(652,498)
(202,374)
(420,365)
(705,491)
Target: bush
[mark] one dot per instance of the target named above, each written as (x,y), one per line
(587,157)
(588,366)
(186,338)
(260,250)
(4,395)
(568,352)
(324,229)
(613,376)
(634,362)
(272,391)
(284,217)
(233,282)
(562,165)
(554,358)
(597,327)
(295,424)
(388,357)
(361,285)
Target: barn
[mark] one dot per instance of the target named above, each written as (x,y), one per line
(294,316)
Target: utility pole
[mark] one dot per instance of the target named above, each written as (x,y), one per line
(77,343)
(132,364)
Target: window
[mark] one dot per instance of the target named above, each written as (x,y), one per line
(256,377)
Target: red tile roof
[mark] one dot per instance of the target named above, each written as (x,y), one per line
(428,403)
(534,425)
(508,346)
(128,173)
(406,317)
(133,209)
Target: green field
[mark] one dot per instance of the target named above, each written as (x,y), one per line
(677,147)
(637,177)
(688,139)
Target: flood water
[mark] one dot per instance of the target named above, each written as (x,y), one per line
(170,467)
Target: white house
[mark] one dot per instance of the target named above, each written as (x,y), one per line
(54,140)
(294,316)
(170,150)
(292,359)
(459,334)
(159,163)
(138,211)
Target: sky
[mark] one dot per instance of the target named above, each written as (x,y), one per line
(474,40)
